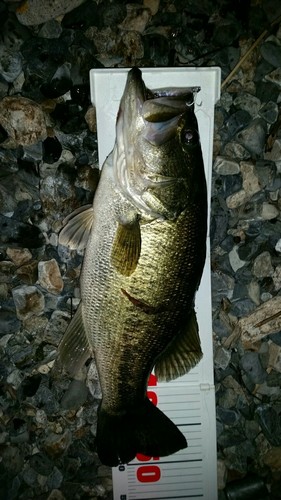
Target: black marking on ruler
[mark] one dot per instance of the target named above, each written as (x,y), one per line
(166,462)
(188,425)
(175,497)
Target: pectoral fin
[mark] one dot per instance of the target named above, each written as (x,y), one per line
(182,354)
(74,349)
(126,247)
(77,228)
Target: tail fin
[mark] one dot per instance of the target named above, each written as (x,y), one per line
(144,430)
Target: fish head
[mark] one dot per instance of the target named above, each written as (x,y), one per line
(157,150)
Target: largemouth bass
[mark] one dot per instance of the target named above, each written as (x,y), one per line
(145,239)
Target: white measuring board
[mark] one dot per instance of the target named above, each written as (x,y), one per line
(188,401)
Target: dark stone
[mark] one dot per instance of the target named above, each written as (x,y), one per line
(4,13)
(253,137)
(45,398)
(82,160)
(252,247)
(82,17)
(226,32)
(262,69)
(219,223)
(70,116)
(78,450)
(267,91)
(240,291)
(271,53)
(243,307)
(23,357)
(269,112)
(231,437)
(112,13)
(236,122)
(3,134)
(156,49)
(228,416)
(268,176)
(9,322)
(220,328)
(30,385)
(56,87)
(15,233)
(270,421)
(250,487)
(52,150)
(250,363)
(231,184)
(227,58)
(186,45)
(227,243)
(80,94)
(276,338)
(274,378)
(41,463)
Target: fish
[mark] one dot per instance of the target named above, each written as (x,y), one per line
(145,247)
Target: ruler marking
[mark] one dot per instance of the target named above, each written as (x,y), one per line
(133,464)
(189,425)
(173,497)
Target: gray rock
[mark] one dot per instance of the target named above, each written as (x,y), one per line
(269,420)
(253,137)
(56,327)
(56,445)
(224,166)
(28,301)
(236,122)
(269,112)
(234,259)
(236,151)
(228,416)
(9,323)
(248,102)
(10,64)
(250,363)
(75,396)
(50,29)
(274,77)
(222,358)
(55,479)
(46,399)
(271,52)
(262,266)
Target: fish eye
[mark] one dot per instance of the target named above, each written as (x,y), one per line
(189,137)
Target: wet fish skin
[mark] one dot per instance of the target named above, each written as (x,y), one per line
(145,242)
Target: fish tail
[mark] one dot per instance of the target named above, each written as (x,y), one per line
(144,430)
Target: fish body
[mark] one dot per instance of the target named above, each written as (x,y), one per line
(145,239)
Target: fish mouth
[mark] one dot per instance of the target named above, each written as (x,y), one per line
(157,112)
(135,94)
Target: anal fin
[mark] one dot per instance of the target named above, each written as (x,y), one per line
(182,354)
(74,349)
